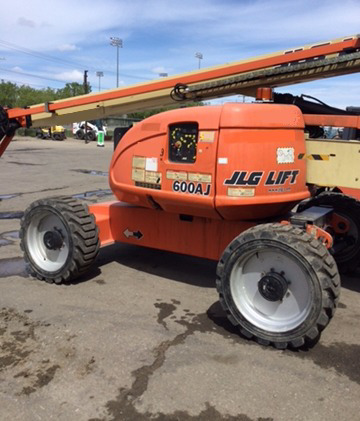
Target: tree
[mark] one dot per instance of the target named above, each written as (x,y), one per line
(13,95)
(8,94)
(72,89)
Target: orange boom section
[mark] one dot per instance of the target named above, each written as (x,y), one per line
(214,161)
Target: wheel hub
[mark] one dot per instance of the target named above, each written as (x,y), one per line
(53,240)
(273,286)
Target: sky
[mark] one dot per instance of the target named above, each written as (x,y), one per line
(51,42)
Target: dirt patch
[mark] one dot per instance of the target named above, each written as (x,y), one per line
(22,362)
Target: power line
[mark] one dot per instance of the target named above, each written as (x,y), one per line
(37,54)
(68,63)
(34,75)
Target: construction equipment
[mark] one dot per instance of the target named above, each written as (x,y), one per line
(220,182)
(54,133)
(88,130)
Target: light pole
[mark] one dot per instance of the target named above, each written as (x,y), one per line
(118,43)
(200,57)
(99,75)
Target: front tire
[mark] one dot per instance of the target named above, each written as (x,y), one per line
(80,134)
(59,239)
(279,285)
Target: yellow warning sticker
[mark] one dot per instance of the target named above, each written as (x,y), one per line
(201,178)
(138,174)
(138,162)
(153,177)
(176,175)
(206,136)
(239,192)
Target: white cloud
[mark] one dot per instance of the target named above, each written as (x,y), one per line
(159,69)
(67,47)
(74,76)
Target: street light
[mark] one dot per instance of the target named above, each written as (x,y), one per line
(99,75)
(163,75)
(200,57)
(118,43)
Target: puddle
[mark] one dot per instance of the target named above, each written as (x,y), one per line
(8,196)
(13,267)
(11,215)
(7,238)
(94,193)
(11,234)
(93,172)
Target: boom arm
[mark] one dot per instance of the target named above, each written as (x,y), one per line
(310,62)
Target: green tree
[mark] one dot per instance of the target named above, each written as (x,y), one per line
(72,89)
(8,94)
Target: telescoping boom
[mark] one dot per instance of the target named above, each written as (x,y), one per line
(326,59)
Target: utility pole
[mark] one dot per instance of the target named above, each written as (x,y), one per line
(99,75)
(200,57)
(118,43)
(86,91)
(85,82)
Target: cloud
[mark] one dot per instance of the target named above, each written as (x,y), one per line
(159,69)
(17,69)
(68,47)
(74,76)
(26,22)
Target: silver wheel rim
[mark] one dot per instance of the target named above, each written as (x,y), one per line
(272,316)
(43,257)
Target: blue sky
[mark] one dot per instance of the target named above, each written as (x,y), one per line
(61,38)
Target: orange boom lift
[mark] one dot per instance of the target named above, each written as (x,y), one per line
(221,182)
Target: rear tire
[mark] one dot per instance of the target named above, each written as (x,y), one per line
(347,259)
(80,134)
(279,285)
(59,239)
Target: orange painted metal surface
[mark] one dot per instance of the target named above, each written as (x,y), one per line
(201,237)
(332,120)
(239,148)
(4,144)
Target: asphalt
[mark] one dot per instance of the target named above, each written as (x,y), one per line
(142,335)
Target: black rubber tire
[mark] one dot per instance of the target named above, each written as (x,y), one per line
(349,259)
(84,243)
(90,135)
(313,258)
(80,134)
(57,136)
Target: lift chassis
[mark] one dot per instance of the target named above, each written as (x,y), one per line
(220,182)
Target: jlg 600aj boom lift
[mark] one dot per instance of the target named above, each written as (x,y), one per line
(220,182)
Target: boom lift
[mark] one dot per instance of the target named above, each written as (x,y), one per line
(220,182)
